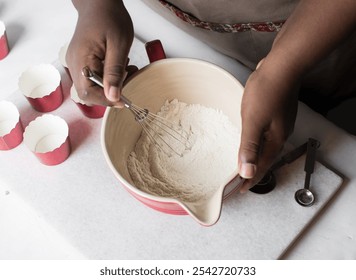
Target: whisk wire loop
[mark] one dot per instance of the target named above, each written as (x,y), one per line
(155,126)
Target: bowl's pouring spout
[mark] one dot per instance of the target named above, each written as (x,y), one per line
(207,211)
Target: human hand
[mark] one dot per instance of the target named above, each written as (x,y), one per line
(101,41)
(268,112)
(269,103)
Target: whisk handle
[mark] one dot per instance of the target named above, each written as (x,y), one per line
(126,101)
(89,74)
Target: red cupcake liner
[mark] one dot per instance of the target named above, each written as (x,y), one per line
(4,45)
(11,130)
(48,138)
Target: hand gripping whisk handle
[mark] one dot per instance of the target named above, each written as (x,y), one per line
(89,74)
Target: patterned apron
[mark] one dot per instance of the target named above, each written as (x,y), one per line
(245,30)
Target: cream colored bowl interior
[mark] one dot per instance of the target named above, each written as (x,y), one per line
(189,80)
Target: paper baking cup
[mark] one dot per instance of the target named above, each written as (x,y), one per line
(62,58)
(4,46)
(41,85)
(11,131)
(93,111)
(48,138)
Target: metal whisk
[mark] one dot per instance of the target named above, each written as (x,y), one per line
(153,125)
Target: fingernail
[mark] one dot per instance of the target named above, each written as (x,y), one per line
(247,170)
(243,191)
(113,93)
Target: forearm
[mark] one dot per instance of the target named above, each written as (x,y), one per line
(313,30)
(81,4)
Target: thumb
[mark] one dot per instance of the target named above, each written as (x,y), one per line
(249,151)
(250,145)
(114,72)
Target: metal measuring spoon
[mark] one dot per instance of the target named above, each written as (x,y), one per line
(304,196)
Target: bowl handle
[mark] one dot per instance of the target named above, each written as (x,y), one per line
(155,50)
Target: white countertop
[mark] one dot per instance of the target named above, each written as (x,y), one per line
(36,38)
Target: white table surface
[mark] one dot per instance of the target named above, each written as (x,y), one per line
(38,28)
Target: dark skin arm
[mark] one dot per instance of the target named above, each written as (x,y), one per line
(269,103)
(102,41)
